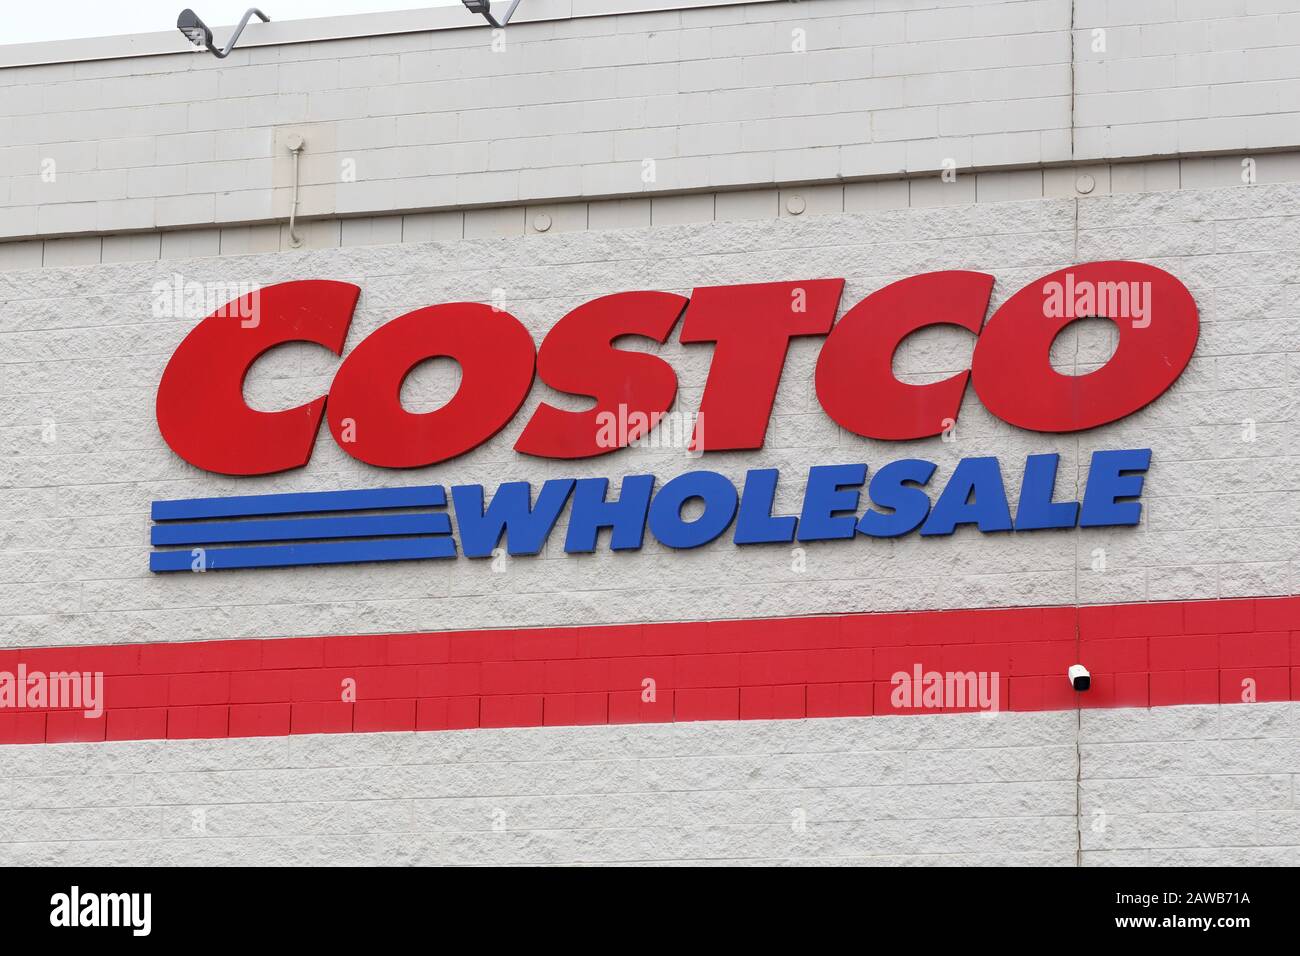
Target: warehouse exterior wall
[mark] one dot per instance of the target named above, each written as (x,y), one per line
(1172,786)
(83,351)
(717,96)
(1172,768)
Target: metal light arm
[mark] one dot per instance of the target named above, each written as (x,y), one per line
(487,14)
(198,33)
(234,37)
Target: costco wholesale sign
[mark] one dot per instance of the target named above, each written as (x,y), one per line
(653,432)
(204,419)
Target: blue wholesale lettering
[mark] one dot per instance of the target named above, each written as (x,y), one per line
(838,503)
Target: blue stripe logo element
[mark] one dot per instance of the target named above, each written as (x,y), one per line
(323,527)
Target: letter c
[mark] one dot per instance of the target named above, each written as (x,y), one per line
(855,379)
(200,406)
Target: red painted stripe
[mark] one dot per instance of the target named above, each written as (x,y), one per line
(1140,655)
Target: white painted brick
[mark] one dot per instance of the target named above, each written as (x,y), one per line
(1207,172)
(308,76)
(186,148)
(935,191)
(1014,240)
(1153,176)
(242,80)
(485,223)
(244,205)
(1003,187)
(726,83)
(814,200)
(672,210)
(989,149)
(426,227)
(751,204)
(179,210)
(1065,182)
(1277,168)
(861,197)
(315,234)
(73,252)
(190,243)
(556,217)
(368,71)
(369,231)
(724,792)
(21,255)
(117,153)
(618,214)
(18,220)
(63,217)
(132,248)
(244,240)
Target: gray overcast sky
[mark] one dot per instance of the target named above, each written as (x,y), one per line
(30,21)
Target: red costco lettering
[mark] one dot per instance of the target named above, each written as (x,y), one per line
(495,354)
(855,378)
(203,417)
(1158,327)
(201,410)
(578,357)
(752,326)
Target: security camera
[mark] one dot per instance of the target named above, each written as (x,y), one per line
(1080,679)
(195,30)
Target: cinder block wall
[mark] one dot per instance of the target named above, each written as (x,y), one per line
(574,107)
(1166,787)
(84,350)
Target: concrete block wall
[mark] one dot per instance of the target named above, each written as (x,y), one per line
(737,95)
(1086,181)
(83,351)
(1167,787)
(958,789)
(1190,786)
(1183,76)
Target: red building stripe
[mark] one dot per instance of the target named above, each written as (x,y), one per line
(1140,655)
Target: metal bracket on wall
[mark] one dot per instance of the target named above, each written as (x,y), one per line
(484,7)
(197,32)
(295,142)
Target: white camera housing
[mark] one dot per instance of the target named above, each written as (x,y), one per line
(1080,679)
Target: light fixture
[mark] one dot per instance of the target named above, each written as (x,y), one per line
(484,7)
(197,32)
